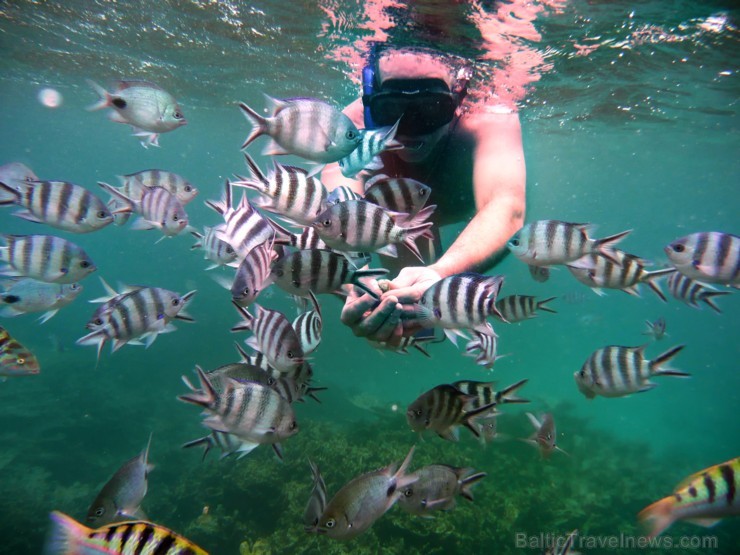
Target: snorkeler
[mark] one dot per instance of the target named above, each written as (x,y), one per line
(471,157)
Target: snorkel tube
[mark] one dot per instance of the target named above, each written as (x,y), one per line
(368,86)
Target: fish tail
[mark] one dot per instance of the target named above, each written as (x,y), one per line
(605,245)
(105,97)
(410,234)
(259,124)
(657,362)
(207,441)
(94,338)
(468,482)
(707,298)
(206,396)
(651,277)
(15,195)
(504,396)
(658,516)
(67,536)
(541,305)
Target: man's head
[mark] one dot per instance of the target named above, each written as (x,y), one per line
(418,87)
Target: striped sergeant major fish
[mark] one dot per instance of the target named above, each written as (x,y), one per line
(59,204)
(693,292)
(340,194)
(656,329)
(245,228)
(539,273)
(709,256)
(549,242)
(366,157)
(317,501)
(45,258)
(319,271)
(307,127)
(252,275)
(703,498)
(26,295)
(130,187)
(437,487)
(615,371)
(68,536)
(484,347)
(121,497)
(287,190)
(458,302)
(545,434)
(443,409)
(274,337)
(308,326)
(363,500)
(358,225)
(15,359)
(142,313)
(516,308)
(597,271)
(219,252)
(397,194)
(255,413)
(484,393)
(157,208)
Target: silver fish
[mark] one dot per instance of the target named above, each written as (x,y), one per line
(597,271)
(159,209)
(308,326)
(549,242)
(274,337)
(286,190)
(516,308)
(143,313)
(443,409)
(358,225)
(219,252)
(655,329)
(306,127)
(26,295)
(316,502)
(366,156)
(148,108)
(318,271)
(59,204)
(693,292)
(615,371)
(545,434)
(252,275)
(253,412)
(539,273)
(488,428)
(484,347)
(45,258)
(458,302)
(121,497)
(245,228)
(397,194)
(363,500)
(437,487)
(709,256)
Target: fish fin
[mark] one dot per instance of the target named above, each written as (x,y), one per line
(450,434)
(47,315)
(583,263)
(222,280)
(375,164)
(66,535)
(599,292)
(605,246)
(705,522)
(204,397)
(400,478)
(504,396)
(658,516)
(390,250)
(278,451)
(105,97)
(205,440)
(468,482)
(533,419)
(315,169)
(26,215)
(15,195)
(274,149)
(663,358)
(632,290)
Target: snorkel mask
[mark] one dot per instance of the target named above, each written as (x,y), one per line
(423,105)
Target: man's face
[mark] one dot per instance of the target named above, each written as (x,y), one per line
(418,147)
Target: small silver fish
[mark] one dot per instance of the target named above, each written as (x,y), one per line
(158,208)
(437,487)
(397,194)
(59,204)
(616,371)
(148,108)
(484,347)
(26,295)
(549,242)
(693,292)
(308,326)
(219,252)
(545,434)
(363,500)
(121,497)
(306,127)
(539,273)
(317,501)
(709,256)
(45,258)
(366,156)
(656,329)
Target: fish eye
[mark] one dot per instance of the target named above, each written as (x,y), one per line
(187,188)
(175,217)
(175,302)
(98,321)
(326,223)
(582,373)
(351,135)
(678,247)
(417,412)
(20,361)
(330,523)
(279,273)
(84,264)
(229,250)
(296,283)
(74,286)
(408,493)
(422,192)
(293,425)
(271,381)
(246,291)
(177,115)
(514,242)
(289,354)
(100,511)
(102,214)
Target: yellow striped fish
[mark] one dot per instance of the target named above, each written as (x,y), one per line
(703,498)
(69,537)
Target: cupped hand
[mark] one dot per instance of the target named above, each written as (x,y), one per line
(367,316)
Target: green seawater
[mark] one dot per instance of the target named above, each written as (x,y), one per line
(641,134)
